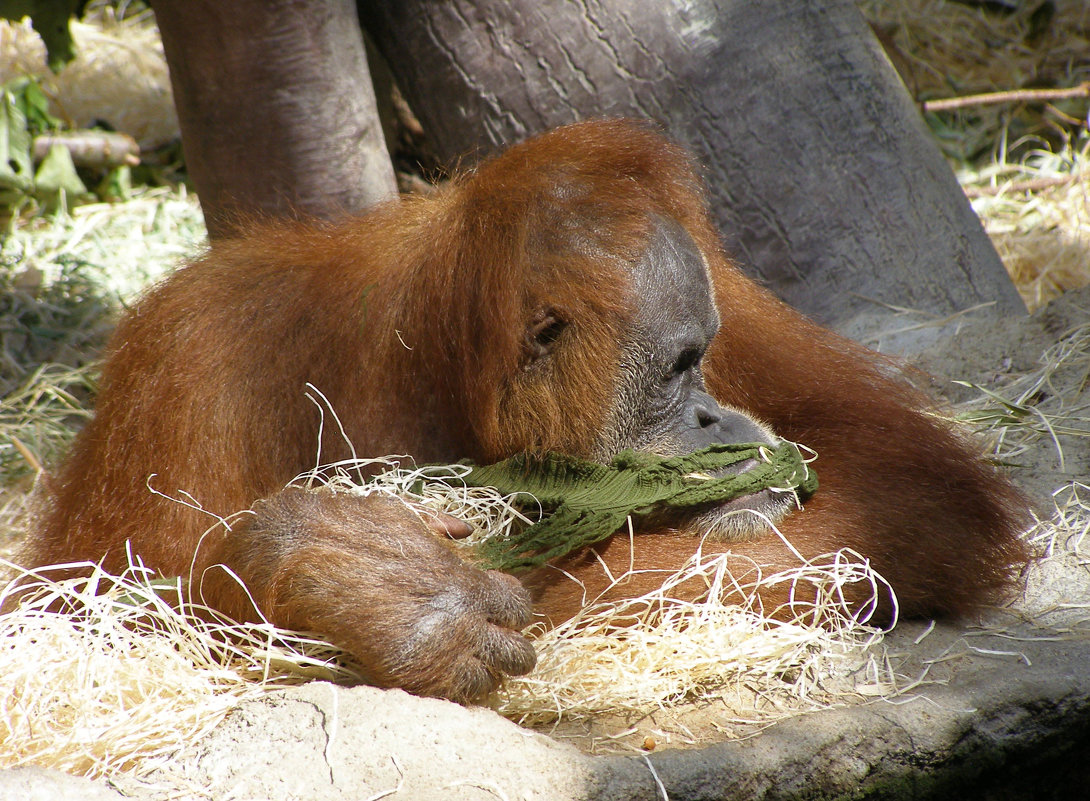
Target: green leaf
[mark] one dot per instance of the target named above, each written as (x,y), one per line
(56,183)
(36,107)
(16,167)
(117,185)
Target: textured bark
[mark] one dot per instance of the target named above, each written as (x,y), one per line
(276,107)
(822,176)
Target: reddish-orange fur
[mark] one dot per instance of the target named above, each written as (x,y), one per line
(898,486)
(411,320)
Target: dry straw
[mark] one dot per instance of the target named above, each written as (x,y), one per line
(656,651)
(945,48)
(62,278)
(119,75)
(109,674)
(119,247)
(1037,213)
(37,422)
(1069,529)
(106,674)
(1049,403)
(1032,196)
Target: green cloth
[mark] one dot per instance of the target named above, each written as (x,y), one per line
(583,502)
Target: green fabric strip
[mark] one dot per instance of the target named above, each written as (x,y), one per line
(584,502)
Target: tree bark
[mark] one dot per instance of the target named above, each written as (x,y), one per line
(276,107)
(822,175)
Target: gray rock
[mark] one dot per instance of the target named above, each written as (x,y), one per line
(40,784)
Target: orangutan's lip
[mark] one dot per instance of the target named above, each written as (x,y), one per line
(733,470)
(768,501)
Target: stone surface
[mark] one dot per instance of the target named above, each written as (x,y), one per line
(39,784)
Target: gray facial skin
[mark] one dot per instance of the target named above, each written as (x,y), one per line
(662,405)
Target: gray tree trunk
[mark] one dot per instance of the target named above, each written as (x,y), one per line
(276,107)
(822,175)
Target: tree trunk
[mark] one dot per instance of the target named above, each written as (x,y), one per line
(822,175)
(276,107)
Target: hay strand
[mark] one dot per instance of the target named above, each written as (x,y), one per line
(656,651)
(105,674)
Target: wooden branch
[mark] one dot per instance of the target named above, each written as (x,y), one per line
(91,148)
(1015,96)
